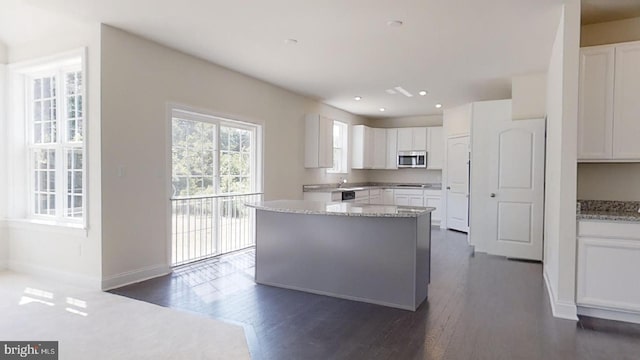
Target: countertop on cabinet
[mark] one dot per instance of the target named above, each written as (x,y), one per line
(605,210)
(340,208)
(369,186)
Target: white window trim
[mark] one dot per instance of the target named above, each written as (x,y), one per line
(20,154)
(345,149)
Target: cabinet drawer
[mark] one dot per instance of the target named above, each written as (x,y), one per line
(604,229)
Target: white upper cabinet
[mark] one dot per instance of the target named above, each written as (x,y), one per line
(392,149)
(595,114)
(626,103)
(412,139)
(362,147)
(379,148)
(435,148)
(609,112)
(318,144)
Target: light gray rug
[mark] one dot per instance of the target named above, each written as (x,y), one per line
(95,325)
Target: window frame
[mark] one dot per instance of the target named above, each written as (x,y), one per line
(344,161)
(22,105)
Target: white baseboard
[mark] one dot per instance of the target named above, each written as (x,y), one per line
(134,276)
(55,274)
(560,309)
(609,314)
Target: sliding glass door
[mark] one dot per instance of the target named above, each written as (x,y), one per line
(214,172)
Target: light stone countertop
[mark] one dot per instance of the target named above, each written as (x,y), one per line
(606,210)
(625,216)
(368,186)
(340,208)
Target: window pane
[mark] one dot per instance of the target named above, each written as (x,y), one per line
(75,188)
(193,157)
(73,103)
(46,88)
(37,89)
(37,111)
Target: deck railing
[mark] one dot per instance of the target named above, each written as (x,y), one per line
(206,226)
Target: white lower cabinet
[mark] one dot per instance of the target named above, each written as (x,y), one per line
(375,196)
(433,198)
(608,268)
(387,197)
(409,197)
(362,196)
(403,197)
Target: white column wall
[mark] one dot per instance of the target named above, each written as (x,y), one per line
(561,164)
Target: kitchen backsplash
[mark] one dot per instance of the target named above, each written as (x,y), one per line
(609,181)
(410,176)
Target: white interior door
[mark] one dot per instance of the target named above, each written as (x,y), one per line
(507,194)
(458,183)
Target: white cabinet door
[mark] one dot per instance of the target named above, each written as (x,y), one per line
(401,200)
(412,139)
(608,264)
(379,146)
(392,149)
(435,145)
(405,139)
(419,139)
(433,198)
(318,142)
(595,113)
(409,197)
(387,197)
(416,200)
(626,116)
(362,143)
(362,196)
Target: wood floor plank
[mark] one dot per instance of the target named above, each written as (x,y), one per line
(479,307)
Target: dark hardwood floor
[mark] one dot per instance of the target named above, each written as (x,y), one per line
(479,307)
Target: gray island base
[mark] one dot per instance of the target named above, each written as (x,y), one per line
(372,253)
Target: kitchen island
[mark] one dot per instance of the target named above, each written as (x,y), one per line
(378,254)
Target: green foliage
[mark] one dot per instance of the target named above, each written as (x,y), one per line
(193,159)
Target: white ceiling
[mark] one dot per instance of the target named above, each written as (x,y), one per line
(458,50)
(597,11)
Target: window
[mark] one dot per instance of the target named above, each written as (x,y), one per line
(340,146)
(212,156)
(55,125)
(193,157)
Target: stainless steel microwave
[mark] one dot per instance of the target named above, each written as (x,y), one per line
(412,159)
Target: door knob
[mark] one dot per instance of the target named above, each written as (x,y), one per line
(448,187)
(493,195)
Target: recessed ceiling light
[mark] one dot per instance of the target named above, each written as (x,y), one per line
(291,41)
(422,93)
(395,23)
(438,106)
(357,98)
(382,109)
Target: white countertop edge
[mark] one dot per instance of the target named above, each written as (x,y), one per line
(282,208)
